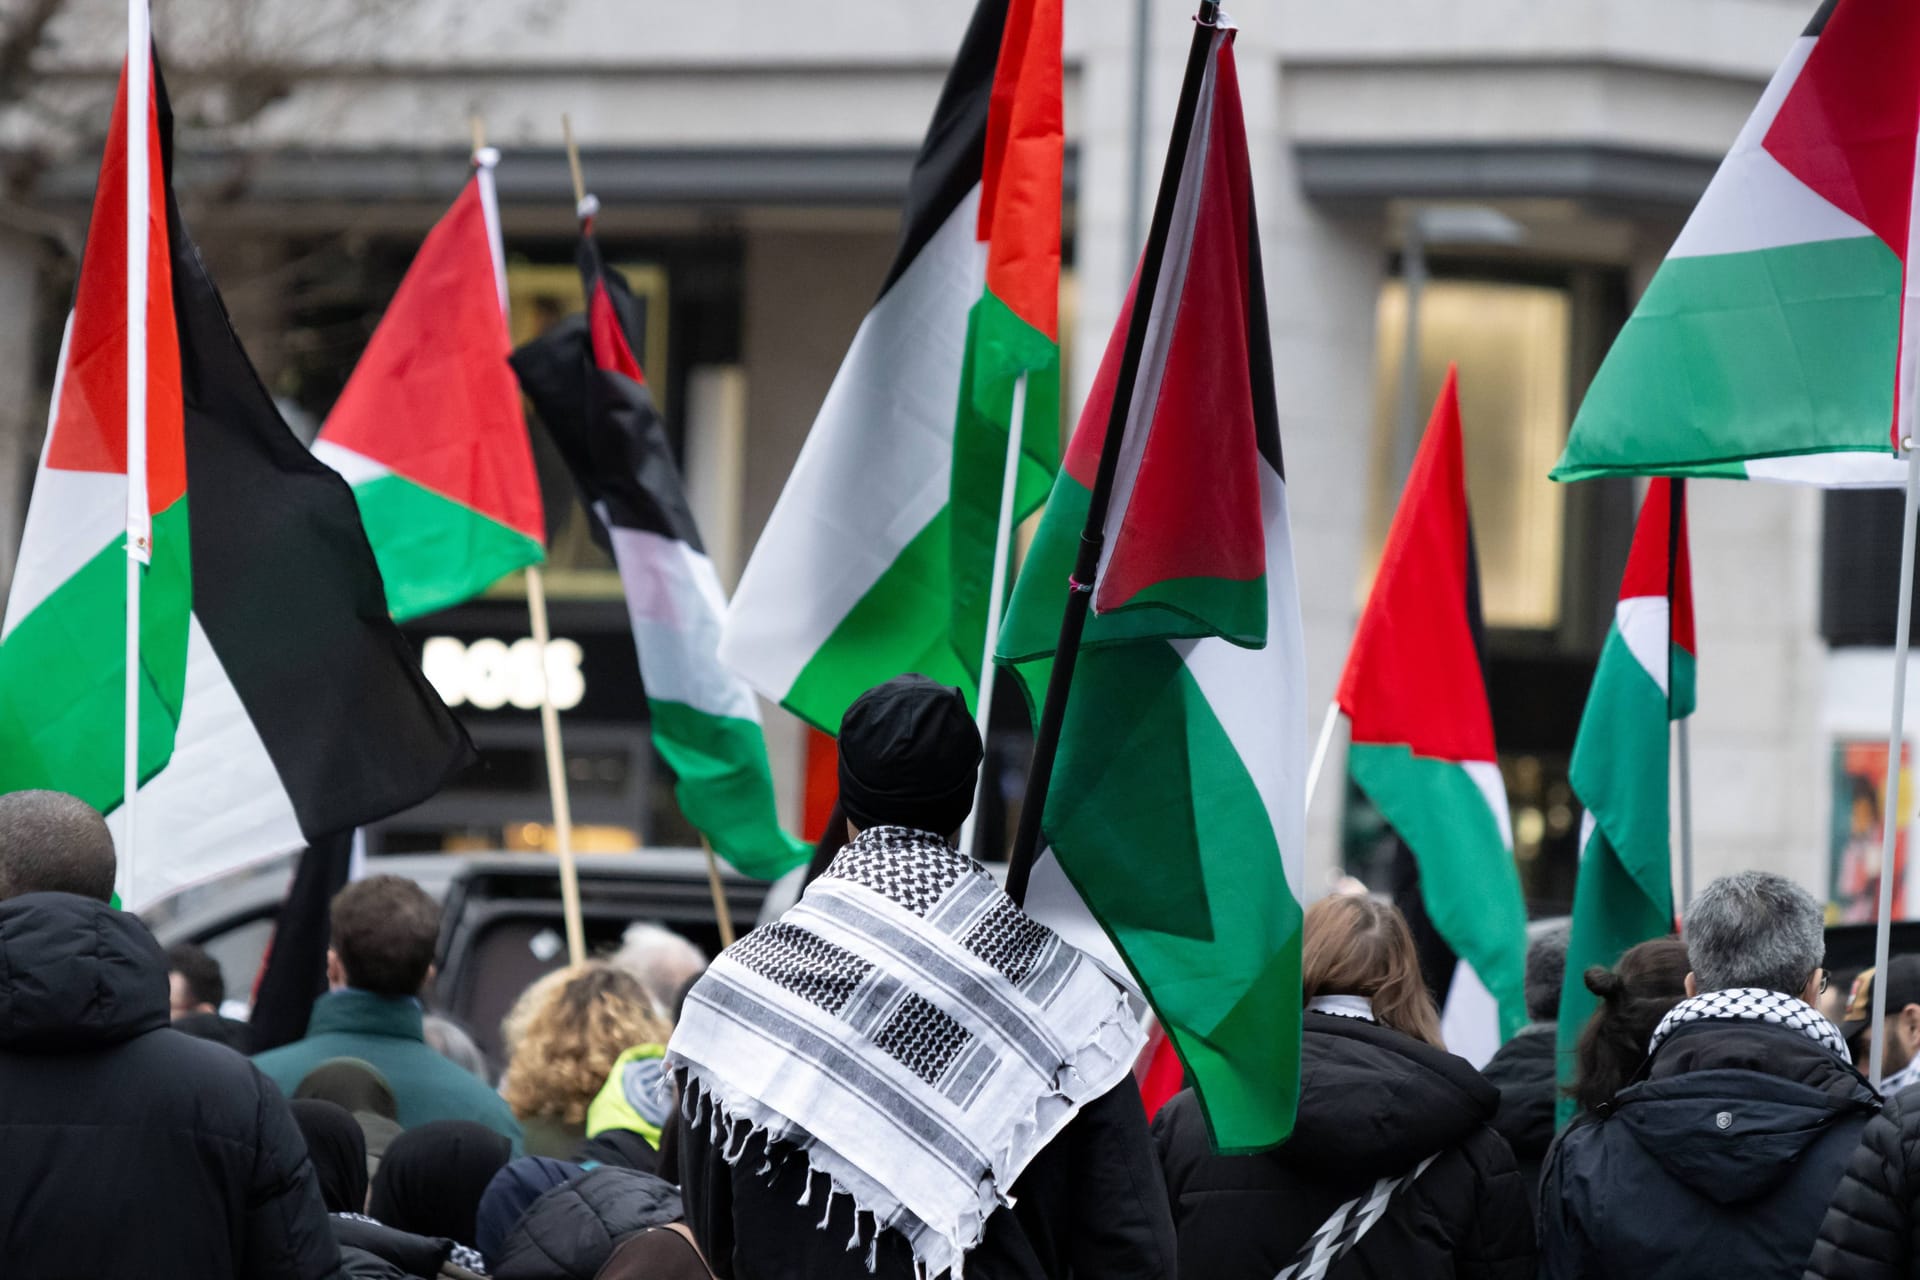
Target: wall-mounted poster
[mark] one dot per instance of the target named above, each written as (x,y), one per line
(1859,809)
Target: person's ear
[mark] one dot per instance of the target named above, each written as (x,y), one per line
(336,972)
(1909,1023)
(1810,994)
(1693,988)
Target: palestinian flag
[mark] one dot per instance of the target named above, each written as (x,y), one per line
(1623,894)
(878,558)
(63,658)
(1768,345)
(1422,745)
(584,380)
(297,709)
(1176,802)
(428,429)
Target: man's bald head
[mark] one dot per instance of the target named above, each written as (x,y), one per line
(51,842)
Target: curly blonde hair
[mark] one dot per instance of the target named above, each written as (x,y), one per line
(564,1033)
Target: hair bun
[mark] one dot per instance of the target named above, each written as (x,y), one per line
(1604,982)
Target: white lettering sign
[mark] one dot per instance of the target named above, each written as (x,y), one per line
(491,674)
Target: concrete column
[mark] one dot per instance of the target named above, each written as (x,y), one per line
(1761,767)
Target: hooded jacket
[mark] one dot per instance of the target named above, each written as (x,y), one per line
(571,1231)
(1373,1104)
(126,1148)
(1523,1072)
(1719,1160)
(1872,1227)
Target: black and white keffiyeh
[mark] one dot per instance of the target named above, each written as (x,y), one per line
(912,1031)
(1754,1004)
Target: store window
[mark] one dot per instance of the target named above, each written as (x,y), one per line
(1511,343)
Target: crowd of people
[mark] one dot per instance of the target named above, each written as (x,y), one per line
(907,1076)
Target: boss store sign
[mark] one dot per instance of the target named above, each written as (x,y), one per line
(485,666)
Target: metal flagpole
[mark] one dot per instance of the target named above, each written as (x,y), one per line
(1320,749)
(139,517)
(996,596)
(1073,621)
(484,159)
(1892,816)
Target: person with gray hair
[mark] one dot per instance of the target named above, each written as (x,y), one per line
(1524,1068)
(1720,1157)
(130,1149)
(663,962)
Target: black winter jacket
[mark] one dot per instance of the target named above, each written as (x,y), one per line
(374,1251)
(1089,1206)
(572,1229)
(1373,1104)
(126,1148)
(1523,1072)
(1718,1161)
(1872,1227)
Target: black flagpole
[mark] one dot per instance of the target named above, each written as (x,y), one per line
(1046,744)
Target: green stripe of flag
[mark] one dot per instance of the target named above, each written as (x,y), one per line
(1157,821)
(1735,356)
(63,672)
(1623,894)
(724,786)
(435,552)
(1468,880)
(1000,347)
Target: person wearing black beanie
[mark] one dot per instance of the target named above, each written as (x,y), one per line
(909,757)
(897,987)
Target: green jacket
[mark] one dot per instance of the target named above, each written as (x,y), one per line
(386,1032)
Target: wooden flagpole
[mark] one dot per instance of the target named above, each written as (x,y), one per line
(139,515)
(1073,622)
(484,159)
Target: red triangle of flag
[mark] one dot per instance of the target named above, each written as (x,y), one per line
(1847,126)
(1413,676)
(1186,499)
(90,422)
(1646,573)
(433,398)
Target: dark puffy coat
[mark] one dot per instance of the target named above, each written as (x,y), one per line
(126,1148)
(1090,1205)
(1872,1227)
(1373,1104)
(1718,1161)
(1523,1072)
(572,1229)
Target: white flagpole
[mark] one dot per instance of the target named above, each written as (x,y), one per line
(1320,749)
(1684,751)
(484,159)
(139,518)
(996,594)
(1893,817)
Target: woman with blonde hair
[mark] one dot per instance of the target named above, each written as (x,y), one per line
(1392,1170)
(563,1037)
